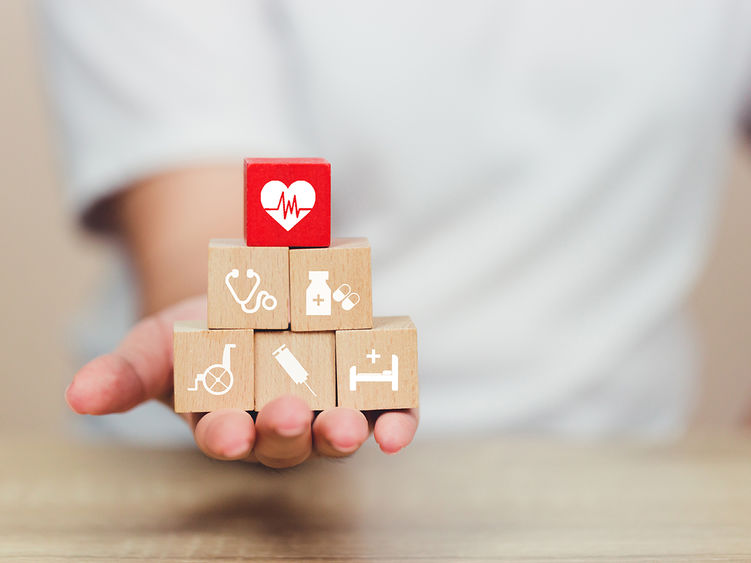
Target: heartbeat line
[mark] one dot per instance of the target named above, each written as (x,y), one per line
(288,207)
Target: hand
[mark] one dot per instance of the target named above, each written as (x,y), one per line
(285,432)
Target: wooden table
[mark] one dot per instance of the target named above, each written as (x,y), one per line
(496,499)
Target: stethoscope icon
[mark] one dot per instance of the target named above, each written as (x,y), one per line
(263,298)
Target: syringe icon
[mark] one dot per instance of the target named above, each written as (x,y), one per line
(292,366)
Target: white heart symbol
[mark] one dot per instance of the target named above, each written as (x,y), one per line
(288,205)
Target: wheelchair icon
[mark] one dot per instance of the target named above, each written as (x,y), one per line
(217,379)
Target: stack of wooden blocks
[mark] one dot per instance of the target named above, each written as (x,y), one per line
(290,311)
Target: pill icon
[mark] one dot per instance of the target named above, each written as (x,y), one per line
(346,297)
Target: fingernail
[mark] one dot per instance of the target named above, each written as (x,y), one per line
(346,449)
(292,431)
(390,452)
(237,450)
(294,425)
(344,442)
(67,399)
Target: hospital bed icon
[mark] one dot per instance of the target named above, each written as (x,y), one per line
(387,375)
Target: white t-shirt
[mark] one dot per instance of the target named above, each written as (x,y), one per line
(538,180)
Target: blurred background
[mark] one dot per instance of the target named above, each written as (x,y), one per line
(50,266)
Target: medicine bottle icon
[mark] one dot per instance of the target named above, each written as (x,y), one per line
(318,294)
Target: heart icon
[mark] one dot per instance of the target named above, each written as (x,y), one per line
(288,204)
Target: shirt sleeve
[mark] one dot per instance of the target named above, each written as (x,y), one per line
(139,87)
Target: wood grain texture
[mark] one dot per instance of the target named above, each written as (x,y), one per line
(200,352)
(462,499)
(347,261)
(271,264)
(375,361)
(314,351)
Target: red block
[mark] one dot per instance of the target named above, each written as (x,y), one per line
(287,202)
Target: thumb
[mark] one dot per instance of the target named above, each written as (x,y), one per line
(138,370)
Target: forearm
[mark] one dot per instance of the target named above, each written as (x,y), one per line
(167,221)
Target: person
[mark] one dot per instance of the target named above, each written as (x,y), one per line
(538,181)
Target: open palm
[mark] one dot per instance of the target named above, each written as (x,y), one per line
(285,432)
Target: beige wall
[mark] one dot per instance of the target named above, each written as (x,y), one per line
(48,267)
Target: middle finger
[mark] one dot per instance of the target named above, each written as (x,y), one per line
(283,435)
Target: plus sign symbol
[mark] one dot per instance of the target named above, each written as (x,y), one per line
(372,356)
(318,299)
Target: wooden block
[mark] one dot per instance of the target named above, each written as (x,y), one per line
(377,368)
(297,364)
(287,202)
(213,368)
(330,288)
(248,287)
